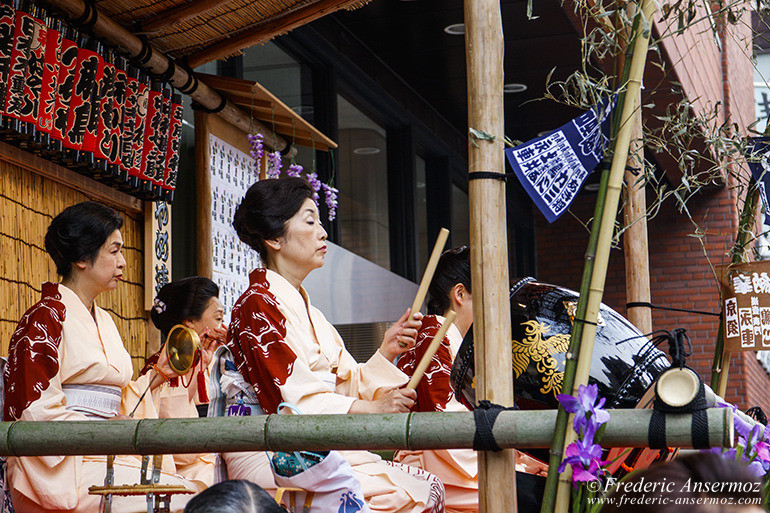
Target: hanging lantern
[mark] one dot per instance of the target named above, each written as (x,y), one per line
(7,19)
(107,146)
(140,125)
(34,72)
(81,123)
(172,150)
(23,40)
(64,84)
(45,111)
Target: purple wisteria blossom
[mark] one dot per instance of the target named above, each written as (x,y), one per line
(294,170)
(587,401)
(331,200)
(255,142)
(315,183)
(274,164)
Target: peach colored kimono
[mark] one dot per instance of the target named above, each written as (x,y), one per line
(286,350)
(457,468)
(64,364)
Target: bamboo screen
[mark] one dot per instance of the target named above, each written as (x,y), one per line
(28,202)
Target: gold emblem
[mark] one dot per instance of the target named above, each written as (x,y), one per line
(537,349)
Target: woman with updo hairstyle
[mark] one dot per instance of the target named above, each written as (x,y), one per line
(282,349)
(450,289)
(67,362)
(234,496)
(194,303)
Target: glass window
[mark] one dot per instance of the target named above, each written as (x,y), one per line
(461,231)
(363,184)
(286,78)
(421,215)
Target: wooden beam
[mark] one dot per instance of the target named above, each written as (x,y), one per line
(179,14)
(88,186)
(267,30)
(108,30)
(203,225)
(484,46)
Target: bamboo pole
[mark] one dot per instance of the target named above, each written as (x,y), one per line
(430,269)
(620,156)
(432,348)
(414,431)
(484,47)
(106,29)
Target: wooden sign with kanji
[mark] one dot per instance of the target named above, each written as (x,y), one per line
(746,305)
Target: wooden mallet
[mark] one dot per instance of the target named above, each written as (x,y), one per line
(432,348)
(427,276)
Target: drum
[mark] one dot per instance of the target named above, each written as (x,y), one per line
(624,363)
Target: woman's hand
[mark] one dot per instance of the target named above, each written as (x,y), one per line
(163,370)
(210,341)
(402,335)
(398,400)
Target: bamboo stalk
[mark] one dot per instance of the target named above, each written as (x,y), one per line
(430,269)
(432,348)
(203,230)
(414,431)
(614,184)
(484,46)
(108,30)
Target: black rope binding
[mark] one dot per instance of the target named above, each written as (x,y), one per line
(88,13)
(644,304)
(218,108)
(679,349)
(170,70)
(485,415)
(485,175)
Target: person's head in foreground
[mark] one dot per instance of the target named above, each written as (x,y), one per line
(696,483)
(450,288)
(236,496)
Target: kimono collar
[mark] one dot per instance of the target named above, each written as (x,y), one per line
(282,289)
(72,301)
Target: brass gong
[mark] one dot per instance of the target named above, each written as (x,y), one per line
(182,345)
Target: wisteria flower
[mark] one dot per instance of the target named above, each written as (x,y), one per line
(587,401)
(294,170)
(274,164)
(331,200)
(256,149)
(315,183)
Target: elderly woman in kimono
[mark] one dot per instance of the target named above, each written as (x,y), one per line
(67,362)
(194,303)
(450,289)
(282,349)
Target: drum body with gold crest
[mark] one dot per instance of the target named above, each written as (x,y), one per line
(624,363)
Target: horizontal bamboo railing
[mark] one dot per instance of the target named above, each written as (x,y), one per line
(520,429)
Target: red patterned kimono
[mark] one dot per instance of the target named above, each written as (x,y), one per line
(66,364)
(457,468)
(287,351)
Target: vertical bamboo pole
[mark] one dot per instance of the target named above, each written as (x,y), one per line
(484,47)
(203,230)
(631,106)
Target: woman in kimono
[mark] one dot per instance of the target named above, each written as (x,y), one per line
(282,349)
(67,362)
(192,302)
(457,468)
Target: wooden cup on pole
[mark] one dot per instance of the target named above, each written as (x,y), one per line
(432,348)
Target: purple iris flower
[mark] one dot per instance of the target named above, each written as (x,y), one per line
(587,401)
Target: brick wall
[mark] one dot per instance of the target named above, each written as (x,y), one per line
(680,263)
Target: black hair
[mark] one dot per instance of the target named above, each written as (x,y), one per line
(78,232)
(265,209)
(453,267)
(235,496)
(705,482)
(182,300)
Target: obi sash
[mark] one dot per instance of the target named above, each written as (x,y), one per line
(94,401)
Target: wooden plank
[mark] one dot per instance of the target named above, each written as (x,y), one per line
(203,230)
(88,186)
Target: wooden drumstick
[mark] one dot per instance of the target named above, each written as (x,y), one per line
(428,274)
(432,348)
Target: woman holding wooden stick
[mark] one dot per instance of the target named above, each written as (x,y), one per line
(282,349)
(67,362)
(450,290)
